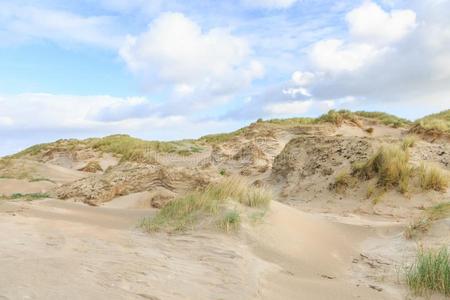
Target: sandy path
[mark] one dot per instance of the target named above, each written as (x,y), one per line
(60,250)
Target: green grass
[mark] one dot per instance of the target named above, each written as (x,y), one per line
(185,212)
(292,121)
(230,221)
(423,224)
(384,118)
(222,137)
(430,273)
(27,197)
(433,178)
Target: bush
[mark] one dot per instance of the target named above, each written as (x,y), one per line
(430,272)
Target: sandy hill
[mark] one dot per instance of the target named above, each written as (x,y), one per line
(353,195)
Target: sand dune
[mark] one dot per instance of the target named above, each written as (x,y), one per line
(58,249)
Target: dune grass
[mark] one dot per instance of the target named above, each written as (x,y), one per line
(430,272)
(384,118)
(439,122)
(230,221)
(408,142)
(342,182)
(433,178)
(430,215)
(390,164)
(185,212)
(27,197)
(338,117)
(137,150)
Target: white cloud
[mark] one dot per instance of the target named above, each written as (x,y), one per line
(335,55)
(176,51)
(371,23)
(27,119)
(28,22)
(270,4)
(302,78)
(287,108)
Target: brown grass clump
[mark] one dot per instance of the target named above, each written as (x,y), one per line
(390,164)
(342,182)
(408,142)
(92,167)
(433,178)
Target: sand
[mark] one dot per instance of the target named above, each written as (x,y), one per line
(54,249)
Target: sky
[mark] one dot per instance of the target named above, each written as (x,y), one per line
(180,69)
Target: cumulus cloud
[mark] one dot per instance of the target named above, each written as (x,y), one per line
(176,52)
(371,23)
(270,4)
(335,55)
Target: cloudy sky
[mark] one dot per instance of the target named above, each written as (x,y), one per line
(179,69)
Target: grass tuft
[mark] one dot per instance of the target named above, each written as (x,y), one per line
(342,182)
(390,164)
(430,272)
(408,142)
(433,178)
(185,212)
(230,221)
(423,224)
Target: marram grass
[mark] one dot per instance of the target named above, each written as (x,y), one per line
(430,273)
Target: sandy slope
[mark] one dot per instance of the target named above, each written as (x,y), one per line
(60,250)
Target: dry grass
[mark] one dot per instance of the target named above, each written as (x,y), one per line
(342,182)
(423,224)
(390,165)
(430,272)
(409,142)
(185,212)
(433,178)
(439,122)
(338,117)
(92,167)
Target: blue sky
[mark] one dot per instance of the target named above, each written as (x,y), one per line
(181,69)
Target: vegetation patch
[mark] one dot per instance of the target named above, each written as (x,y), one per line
(390,165)
(439,123)
(342,182)
(133,149)
(384,118)
(92,167)
(423,224)
(408,142)
(433,178)
(430,273)
(210,204)
(27,197)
